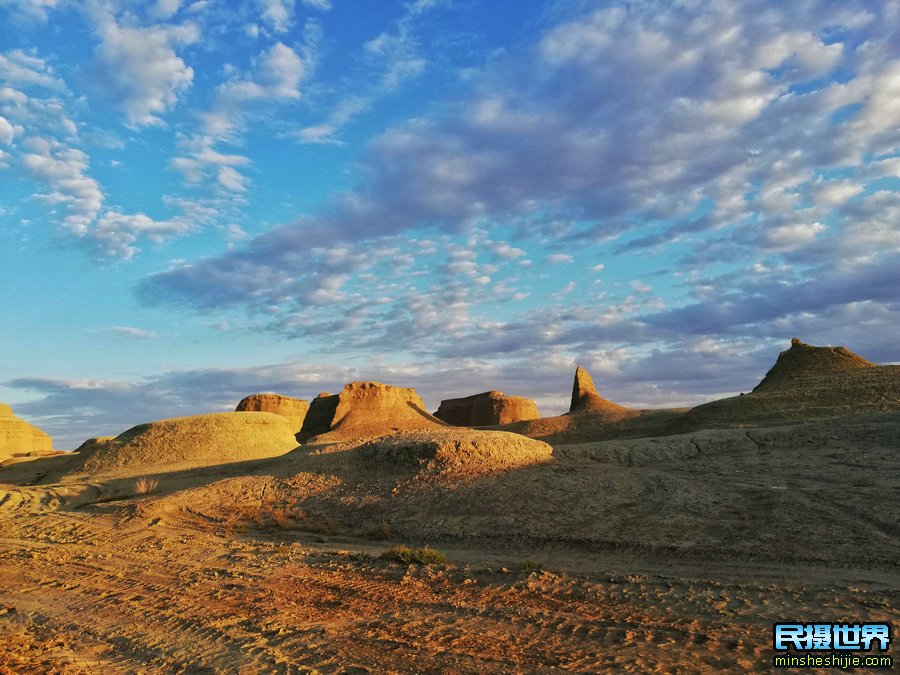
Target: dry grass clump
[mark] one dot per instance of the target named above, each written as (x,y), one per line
(420,556)
(381,531)
(144,486)
(272,514)
(530,566)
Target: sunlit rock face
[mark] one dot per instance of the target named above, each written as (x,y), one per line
(365,409)
(486,409)
(585,396)
(18,437)
(294,409)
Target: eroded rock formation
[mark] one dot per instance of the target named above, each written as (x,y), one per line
(806,383)
(294,409)
(365,409)
(586,398)
(487,409)
(18,437)
(803,361)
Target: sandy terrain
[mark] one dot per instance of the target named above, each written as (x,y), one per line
(670,554)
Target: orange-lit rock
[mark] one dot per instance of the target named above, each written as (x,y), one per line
(487,409)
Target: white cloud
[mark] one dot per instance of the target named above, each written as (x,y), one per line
(791,236)
(802,53)
(276,77)
(165,9)
(504,250)
(559,258)
(322,5)
(639,286)
(281,71)
(140,68)
(565,290)
(33,9)
(6,131)
(64,170)
(116,233)
(231,179)
(319,134)
(131,332)
(278,14)
(19,68)
(836,192)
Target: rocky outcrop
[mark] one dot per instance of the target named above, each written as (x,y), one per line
(806,383)
(319,417)
(365,409)
(294,409)
(198,440)
(18,437)
(487,409)
(586,398)
(803,361)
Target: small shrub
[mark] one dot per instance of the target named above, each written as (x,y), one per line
(322,523)
(282,518)
(530,566)
(420,556)
(145,486)
(381,531)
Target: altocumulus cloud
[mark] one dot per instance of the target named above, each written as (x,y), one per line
(716,130)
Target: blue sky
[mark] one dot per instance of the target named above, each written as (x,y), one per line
(200,200)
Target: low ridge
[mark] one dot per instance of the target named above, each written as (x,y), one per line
(199,440)
(449,452)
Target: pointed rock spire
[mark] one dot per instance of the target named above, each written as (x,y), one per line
(585,396)
(582,389)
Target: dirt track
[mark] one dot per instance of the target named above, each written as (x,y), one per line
(103,590)
(664,555)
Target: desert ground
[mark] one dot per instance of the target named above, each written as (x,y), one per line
(603,540)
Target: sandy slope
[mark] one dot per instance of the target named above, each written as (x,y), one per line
(670,554)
